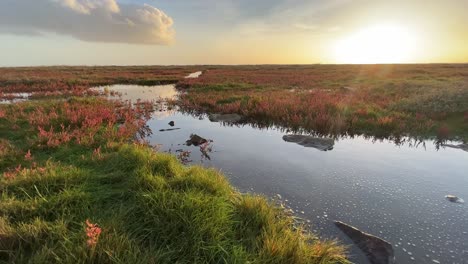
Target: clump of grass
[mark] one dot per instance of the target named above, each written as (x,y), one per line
(114,201)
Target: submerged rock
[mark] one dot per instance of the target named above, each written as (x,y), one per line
(377,250)
(230,118)
(323,144)
(461,146)
(454,199)
(195,140)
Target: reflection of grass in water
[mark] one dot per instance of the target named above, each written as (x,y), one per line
(142,206)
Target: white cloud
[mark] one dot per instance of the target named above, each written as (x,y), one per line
(85,6)
(88,20)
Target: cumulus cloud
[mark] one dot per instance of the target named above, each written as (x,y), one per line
(88,20)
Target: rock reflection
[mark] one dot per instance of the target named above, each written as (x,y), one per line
(459,146)
(323,144)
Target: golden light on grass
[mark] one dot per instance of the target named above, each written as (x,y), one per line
(384,43)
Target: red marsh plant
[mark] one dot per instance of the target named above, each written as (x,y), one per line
(19,170)
(93,231)
(28,155)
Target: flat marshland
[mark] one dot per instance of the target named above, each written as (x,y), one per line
(80,184)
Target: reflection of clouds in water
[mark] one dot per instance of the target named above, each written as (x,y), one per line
(134,93)
(9,98)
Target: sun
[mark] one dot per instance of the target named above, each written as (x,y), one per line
(377,44)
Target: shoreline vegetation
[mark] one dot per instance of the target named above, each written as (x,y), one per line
(79,185)
(381,101)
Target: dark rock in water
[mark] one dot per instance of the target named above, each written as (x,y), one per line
(172,123)
(323,144)
(169,129)
(377,250)
(454,199)
(195,140)
(230,118)
(461,146)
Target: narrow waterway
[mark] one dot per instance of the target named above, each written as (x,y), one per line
(396,192)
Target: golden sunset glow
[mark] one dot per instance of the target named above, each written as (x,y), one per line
(141,32)
(384,43)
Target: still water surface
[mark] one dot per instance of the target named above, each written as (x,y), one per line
(394,192)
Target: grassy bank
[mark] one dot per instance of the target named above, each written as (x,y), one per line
(77,188)
(374,100)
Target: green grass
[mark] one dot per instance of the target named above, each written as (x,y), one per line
(151,209)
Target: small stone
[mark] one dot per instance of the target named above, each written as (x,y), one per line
(196,140)
(454,199)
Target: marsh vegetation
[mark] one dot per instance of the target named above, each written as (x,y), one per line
(83,182)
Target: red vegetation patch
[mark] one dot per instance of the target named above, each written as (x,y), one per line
(82,122)
(93,231)
(322,111)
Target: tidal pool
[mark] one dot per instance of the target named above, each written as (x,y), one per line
(10,98)
(396,192)
(194,75)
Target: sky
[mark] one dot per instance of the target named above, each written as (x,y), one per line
(179,32)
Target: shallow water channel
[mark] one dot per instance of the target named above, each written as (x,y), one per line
(394,192)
